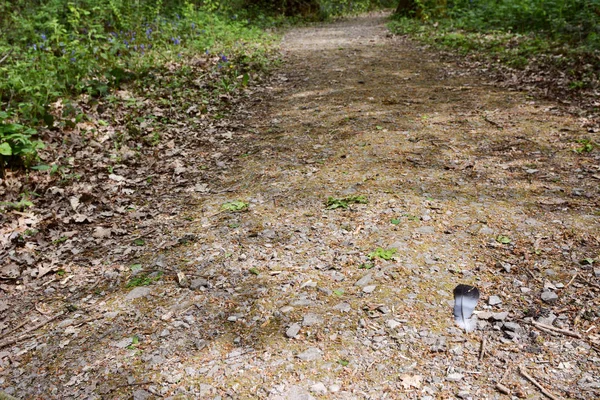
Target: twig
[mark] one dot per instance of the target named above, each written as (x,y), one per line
(14,329)
(6,56)
(27,333)
(537,384)
(589,283)
(497,125)
(482,348)
(555,329)
(571,281)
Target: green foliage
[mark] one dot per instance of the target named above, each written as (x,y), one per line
(235,206)
(16,144)
(60,48)
(143,280)
(384,254)
(586,146)
(332,203)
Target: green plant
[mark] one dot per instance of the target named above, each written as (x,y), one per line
(332,203)
(586,146)
(234,206)
(143,280)
(16,144)
(384,254)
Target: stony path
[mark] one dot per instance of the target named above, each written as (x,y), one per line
(469,184)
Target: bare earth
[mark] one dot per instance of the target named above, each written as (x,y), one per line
(469,183)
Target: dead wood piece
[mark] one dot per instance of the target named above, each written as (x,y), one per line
(502,389)
(482,349)
(27,333)
(537,384)
(565,332)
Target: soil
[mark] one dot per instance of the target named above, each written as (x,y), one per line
(290,299)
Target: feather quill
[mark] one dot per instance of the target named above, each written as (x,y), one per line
(465,300)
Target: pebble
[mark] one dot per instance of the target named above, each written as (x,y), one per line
(369,289)
(392,323)
(140,291)
(343,307)
(334,388)
(500,316)
(549,297)
(198,283)
(425,230)
(455,377)
(318,388)
(365,280)
(494,300)
(512,326)
(311,319)
(310,354)
(292,331)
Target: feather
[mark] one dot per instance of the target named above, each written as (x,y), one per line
(465,300)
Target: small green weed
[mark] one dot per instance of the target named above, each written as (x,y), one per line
(384,254)
(332,203)
(16,144)
(143,280)
(586,146)
(503,239)
(235,206)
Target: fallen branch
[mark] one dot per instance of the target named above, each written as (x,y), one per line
(482,348)
(4,59)
(565,332)
(27,333)
(537,384)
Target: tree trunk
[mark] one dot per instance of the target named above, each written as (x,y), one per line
(407,8)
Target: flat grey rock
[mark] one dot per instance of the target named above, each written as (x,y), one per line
(425,230)
(311,319)
(494,300)
(198,283)
(455,377)
(292,331)
(140,291)
(343,307)
(365,280)
(310,354)
(500,316)
(369,289)
(549,297)
(318,388)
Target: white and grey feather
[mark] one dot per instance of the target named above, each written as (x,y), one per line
(465,301)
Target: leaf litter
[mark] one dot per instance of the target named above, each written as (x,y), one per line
(353,110)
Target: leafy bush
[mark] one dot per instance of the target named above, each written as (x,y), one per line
(16,144)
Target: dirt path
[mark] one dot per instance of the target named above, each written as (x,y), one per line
(469,184)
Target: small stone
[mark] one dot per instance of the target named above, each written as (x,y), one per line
(463,394)
(121,344)
(343,307)
(425,230)
(365,280)
(500,316)
(426,218)
(295,393)
(455,377)
(292,331)
(310,354)
(286,309)
(369,289)
(484,315)
(198,283)
(318,388)
(512,326)
(525,289)
(233,318)
(494,300)
(549,297)
(334,388)
(486,230)
(140,291)
(392,323)
(141,394)
(597,272)
(311,319)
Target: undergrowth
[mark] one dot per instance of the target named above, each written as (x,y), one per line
(58,50)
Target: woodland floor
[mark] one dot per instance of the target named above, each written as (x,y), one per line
(468,182)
